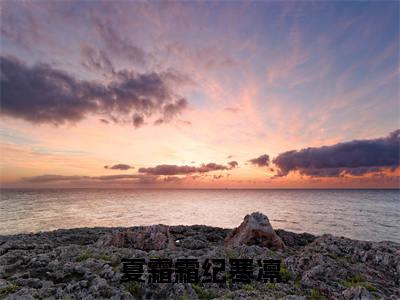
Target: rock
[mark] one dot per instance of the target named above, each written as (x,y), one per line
(292,239)
(191,243)
(255,230)
(155,237)
(357,293)
(78,267)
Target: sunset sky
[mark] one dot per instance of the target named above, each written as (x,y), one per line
(200,94)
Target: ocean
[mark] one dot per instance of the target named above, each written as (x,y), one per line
(372,215)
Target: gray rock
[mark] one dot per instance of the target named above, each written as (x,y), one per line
(78,264)
(155,237)
(255,230)
(357,293)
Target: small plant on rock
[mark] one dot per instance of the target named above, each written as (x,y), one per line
(285,274)
(10,289)
(248,287)
(359,280)
(271,286)
(83,256)
(230,254)
(133,288)
(316,295)
(203,293)
(229,295)
(86,255)
(185,297)
(104,257)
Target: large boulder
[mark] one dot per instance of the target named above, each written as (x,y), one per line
(255,230)
(155,237)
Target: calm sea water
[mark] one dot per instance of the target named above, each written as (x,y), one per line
(360,214)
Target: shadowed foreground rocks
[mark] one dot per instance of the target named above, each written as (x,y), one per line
(85,263)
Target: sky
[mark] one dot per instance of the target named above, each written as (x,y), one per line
(227,94)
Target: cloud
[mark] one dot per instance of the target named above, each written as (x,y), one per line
(355,158)
(116,177)
(231,109)
(48,178)
(42,94)
(233,164)
(172,109)
(120,46)
(51,178)
(211,167)
(261,161)
(96,60)
(19,25)
(123,167)
(169,170)
(137,120)
(183,170)
(106,180)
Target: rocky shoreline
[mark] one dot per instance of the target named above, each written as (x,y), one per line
(85,263)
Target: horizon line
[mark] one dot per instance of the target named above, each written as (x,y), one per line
(166,188)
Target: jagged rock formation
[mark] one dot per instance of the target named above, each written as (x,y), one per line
(85,263)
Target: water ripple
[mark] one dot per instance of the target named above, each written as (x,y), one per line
(360,214)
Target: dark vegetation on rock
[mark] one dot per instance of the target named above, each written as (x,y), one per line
(85,263)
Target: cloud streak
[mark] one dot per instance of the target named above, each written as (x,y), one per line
(53,178)
(261,161)
(122,167)
(184,170)
(233,164)
(355,158)
(119,45)
(96,60)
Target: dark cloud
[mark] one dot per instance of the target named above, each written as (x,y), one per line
(173,109)
(211,167)
(41,94)
(261,161)
(233,164)
(169,170)
(158,122)
(356,158)
(119,167)
(137,120)
(182,170)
